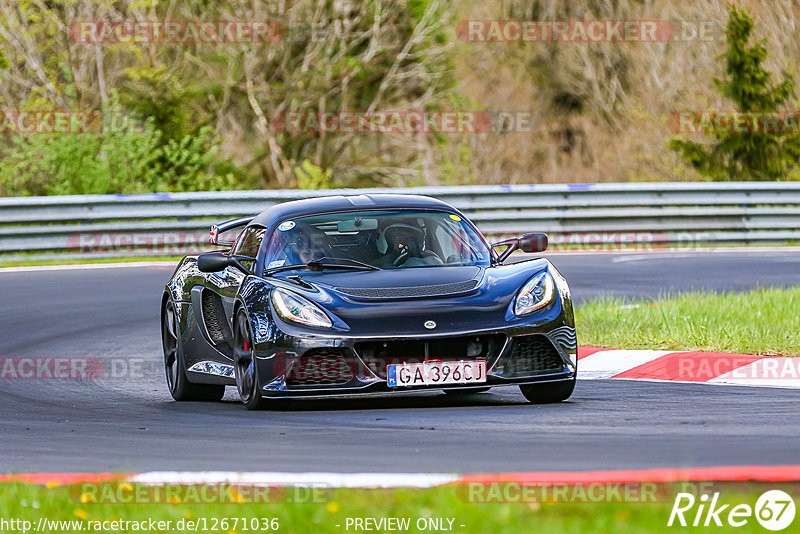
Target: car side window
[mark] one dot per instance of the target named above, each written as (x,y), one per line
(250,241)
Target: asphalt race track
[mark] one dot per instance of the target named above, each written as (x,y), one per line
(127,422)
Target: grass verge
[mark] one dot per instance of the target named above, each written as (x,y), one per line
(329,510)
(763,321)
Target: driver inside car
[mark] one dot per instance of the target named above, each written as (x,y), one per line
(404,246)
(304,245)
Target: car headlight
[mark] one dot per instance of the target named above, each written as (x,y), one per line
(537,293)
(296,309)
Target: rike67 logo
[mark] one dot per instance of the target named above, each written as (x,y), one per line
(774,510)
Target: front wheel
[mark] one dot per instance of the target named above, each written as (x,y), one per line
(548,392)
(245,367)
(179,386)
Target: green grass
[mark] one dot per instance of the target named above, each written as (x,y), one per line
(763,321)
(333,507)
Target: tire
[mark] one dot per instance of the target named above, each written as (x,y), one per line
(548,392)
(175,367)
(244,364)
(457,392)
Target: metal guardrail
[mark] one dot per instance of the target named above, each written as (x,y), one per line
(575,215)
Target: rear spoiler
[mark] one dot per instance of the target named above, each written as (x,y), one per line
(221,228)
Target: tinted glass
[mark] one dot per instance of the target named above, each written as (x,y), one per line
(387,239)
(250,241)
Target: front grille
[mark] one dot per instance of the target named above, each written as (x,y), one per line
(320,367)
(438,290)
(531,355)
(376,355)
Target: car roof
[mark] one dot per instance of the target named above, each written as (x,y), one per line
(331,204)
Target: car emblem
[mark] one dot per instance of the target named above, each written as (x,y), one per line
(430,325)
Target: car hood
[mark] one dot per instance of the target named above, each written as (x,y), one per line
(395,278)
(401,302)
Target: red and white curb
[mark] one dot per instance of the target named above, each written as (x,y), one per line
(682,366)
(762,473)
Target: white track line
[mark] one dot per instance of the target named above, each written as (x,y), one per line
(82,266)
(339,480)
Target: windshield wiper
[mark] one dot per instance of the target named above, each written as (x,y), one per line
(352,263)
(322,263)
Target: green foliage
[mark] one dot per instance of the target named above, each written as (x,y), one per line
(210,108)
(157,94)
(310,176)
(79,163)
(455,166)
(748,154)
(127,158)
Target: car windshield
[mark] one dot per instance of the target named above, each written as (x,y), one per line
(396,239)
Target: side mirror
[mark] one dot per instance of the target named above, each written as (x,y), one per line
(214,262)
(533,242)
(529,243)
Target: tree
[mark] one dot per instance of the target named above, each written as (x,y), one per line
(752,152)
(220,103)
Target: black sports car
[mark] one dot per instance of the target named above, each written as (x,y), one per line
(345,295)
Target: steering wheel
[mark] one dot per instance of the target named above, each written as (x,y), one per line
(405,239)
(401,259)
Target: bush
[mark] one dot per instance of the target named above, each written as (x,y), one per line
(746,155)
(129,159)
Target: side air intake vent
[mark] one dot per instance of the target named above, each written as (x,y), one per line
(320,367)
(531,355)
(214,317)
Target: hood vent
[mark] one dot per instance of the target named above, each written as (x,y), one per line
(439,290)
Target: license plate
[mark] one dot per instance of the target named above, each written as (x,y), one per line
(435,373)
